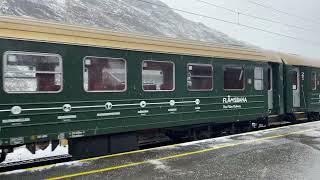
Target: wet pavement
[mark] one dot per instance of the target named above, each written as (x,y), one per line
(291,152)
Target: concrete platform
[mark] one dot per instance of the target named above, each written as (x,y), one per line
(291,152)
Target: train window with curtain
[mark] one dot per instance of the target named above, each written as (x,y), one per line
(158,76)
(314,81)
(233,78)
(258,78)
(104,74)
(26,72)
(200,77)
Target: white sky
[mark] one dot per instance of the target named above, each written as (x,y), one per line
(305,8)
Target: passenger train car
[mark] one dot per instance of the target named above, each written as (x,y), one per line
(109,92)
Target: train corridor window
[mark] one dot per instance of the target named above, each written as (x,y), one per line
(269,79)
(200,77)
(104,74)
(26,72)
(314,81)
(157,76)
(258,78)
(294,80)
(233,78)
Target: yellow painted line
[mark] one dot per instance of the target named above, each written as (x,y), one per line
(155,148)
(301,119)
(103,157)
(273,116)
(177,155)
(299,112)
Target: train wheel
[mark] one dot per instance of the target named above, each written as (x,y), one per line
(2,157)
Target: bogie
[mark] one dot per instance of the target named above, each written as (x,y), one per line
(2,157)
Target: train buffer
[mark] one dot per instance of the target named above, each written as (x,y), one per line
(278,153)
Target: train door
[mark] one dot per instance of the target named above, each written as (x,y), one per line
(296,87)
(270,88)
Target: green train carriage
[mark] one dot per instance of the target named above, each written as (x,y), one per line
(293,91)
(301,87)
(110,92)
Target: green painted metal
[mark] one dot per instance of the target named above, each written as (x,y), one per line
(278,93)
(43,125)
(312,96)
(310,99)
(288,101)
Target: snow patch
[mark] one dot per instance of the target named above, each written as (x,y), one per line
(61,2)
(22,153)
(67,164)
(315,134)
(205,142)
(168,147)
(160,165)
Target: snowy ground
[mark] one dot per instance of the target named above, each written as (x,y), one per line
(22,153)
(268,152)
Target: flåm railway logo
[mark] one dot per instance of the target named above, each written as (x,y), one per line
(233,100)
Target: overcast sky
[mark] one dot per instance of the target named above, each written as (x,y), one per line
(309,9)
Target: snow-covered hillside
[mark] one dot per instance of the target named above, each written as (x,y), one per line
(120,15)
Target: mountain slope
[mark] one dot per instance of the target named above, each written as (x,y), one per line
(120,15)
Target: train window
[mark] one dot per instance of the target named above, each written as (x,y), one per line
(269,79)
(314,81)
(233,78)
(104,74)
(294,80)
(200,77)
(157,76)
(26,72)
(258,78)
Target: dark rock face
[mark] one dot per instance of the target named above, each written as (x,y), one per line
(120,15)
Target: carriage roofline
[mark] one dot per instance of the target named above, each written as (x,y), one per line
(43,31)
(293,59)
(39,30)
(297,60)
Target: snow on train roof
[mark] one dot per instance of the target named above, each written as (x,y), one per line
(35,30)
(292,59)
(299,60)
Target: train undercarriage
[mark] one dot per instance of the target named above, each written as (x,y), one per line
(86,147)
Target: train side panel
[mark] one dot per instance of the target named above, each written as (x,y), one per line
(74,113)
(312,89)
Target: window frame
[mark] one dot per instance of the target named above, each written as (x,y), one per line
(5,56)
(262,78)
(105,91)
(235,67)
(173,74)
(199,90)
(315,80)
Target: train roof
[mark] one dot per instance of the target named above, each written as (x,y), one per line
(273,56)
(297,60)
(292,59)
(36,30)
